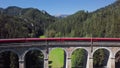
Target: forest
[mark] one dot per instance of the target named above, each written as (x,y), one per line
(16,22)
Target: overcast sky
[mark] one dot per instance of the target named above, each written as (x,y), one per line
(55,7)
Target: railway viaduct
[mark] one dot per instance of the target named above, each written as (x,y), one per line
(21,46)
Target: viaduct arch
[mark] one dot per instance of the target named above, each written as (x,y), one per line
(21,46)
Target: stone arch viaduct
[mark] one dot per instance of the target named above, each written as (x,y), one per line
(21,46)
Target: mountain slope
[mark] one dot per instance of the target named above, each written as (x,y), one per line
(35,20)
(103,22)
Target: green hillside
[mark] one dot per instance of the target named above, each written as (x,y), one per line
(56,58)
(104,22)
(30,21)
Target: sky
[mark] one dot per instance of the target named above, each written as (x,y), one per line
(56,7)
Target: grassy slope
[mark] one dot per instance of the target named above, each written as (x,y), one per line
(57,58)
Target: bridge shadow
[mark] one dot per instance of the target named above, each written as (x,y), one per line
(8,59)
(117,60)
(34,59)
(100,58)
